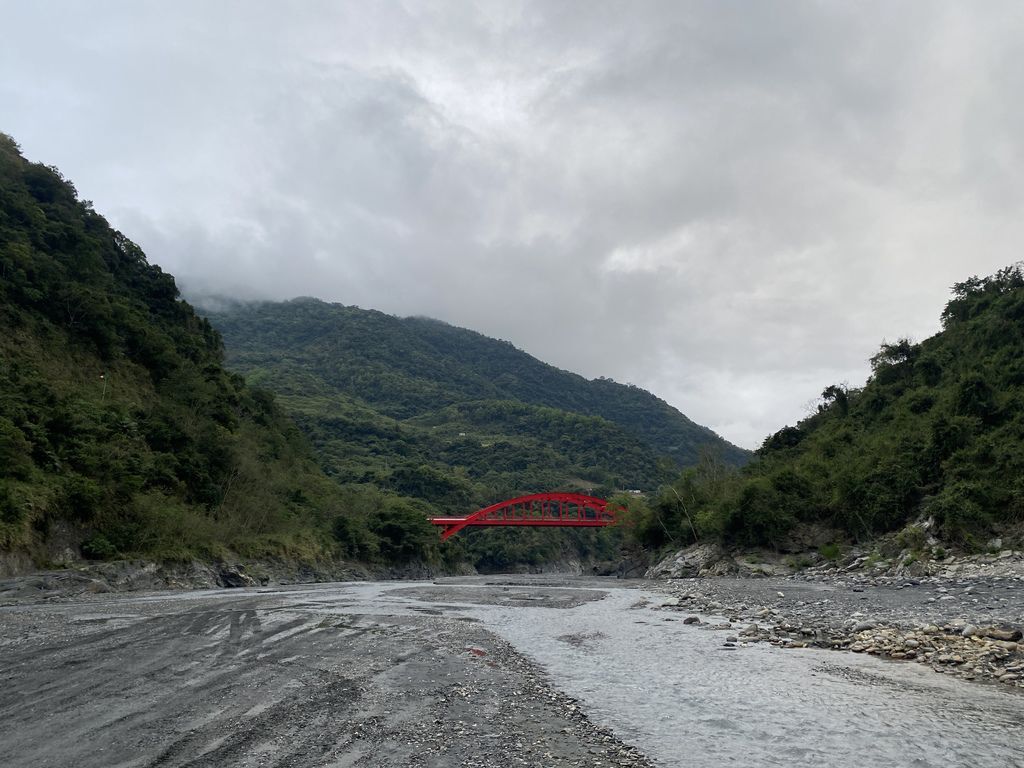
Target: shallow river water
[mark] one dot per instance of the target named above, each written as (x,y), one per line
(675,692)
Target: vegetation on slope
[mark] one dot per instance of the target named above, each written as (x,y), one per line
(448,415)
(122,434)
(937,432)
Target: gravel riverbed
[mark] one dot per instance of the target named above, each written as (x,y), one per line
(521,671)
(331,675)
(962,621)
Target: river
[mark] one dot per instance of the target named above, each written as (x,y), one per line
(674,691)
(685,699)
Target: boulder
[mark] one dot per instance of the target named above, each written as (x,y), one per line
(1001,633)
(707,559)
(234,577)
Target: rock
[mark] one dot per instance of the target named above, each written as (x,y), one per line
(750,631)
(233,577)
(970,631)
(692,561)
(691,620)
(996,633)
(863,626)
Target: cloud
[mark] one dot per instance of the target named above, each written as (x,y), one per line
(729,204)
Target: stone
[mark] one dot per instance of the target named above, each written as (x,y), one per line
(233,577)
(863,626)
(691,620)
(692,561)
(996,633)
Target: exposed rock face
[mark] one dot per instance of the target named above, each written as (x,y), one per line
(696,560)
(132,576)
(235,576)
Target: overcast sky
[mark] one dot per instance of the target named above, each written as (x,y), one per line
(730,204)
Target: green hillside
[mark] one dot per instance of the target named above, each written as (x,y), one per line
(399,401)
(121,433)
(937,433)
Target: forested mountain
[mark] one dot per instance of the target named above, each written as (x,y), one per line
(937,433)
(406,401)
(121,433)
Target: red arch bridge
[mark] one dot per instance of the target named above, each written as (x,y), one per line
(559,509)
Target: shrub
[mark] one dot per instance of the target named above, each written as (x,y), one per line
(354,538)
(81,498)
(756,517)
(12,509)
(98,547)
(830,552)
(912,537)
(961,518)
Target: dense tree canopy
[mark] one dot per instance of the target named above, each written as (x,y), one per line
(937,432)
(121,433)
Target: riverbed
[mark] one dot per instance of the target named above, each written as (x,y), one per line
(461,672)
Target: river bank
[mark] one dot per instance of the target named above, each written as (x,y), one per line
(476,671)
(962,617)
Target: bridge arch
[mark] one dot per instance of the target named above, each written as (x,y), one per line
(572,510)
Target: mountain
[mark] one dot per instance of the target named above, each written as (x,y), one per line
(449,414)
(121,432)
(936,434)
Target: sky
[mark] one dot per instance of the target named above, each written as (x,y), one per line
(731,204)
